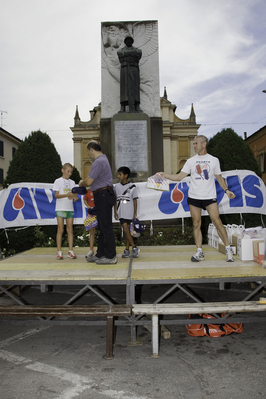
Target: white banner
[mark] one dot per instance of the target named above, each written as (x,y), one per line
(27,204)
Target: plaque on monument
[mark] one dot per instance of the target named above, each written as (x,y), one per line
(131,145)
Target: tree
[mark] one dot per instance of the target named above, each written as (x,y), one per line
(232,151)
(36,160)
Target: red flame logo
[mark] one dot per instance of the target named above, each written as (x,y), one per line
(177,195)
(18,202)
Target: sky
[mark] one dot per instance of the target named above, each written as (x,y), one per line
(212,53)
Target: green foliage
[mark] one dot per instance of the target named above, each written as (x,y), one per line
(232,151)
(41,239)
(21,239)
(167,236)
(36,160)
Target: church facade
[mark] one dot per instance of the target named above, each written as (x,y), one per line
(178,136)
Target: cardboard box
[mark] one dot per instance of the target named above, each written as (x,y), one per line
(245,247)
(258,251)
(221,248)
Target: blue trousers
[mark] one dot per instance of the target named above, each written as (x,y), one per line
(104,201)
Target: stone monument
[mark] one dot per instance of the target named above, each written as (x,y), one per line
(131,130)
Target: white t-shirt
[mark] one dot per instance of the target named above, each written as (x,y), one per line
(202,169)
(63,186)
(125,193)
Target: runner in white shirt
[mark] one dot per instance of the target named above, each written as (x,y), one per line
(64,209)
(203,169)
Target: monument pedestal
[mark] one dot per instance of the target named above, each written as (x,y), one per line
(131,144)
(134,140)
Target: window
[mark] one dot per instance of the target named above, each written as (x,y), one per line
(261,161)
(13,151)
(1,176)
(1,148)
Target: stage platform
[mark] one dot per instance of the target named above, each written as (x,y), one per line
(166,268)
(154,265)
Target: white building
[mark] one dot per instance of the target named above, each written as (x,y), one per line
(8,146)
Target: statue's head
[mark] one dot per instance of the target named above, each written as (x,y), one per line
(129,41)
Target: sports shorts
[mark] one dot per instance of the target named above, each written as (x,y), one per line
(122,221)
(201,203)
(65,214)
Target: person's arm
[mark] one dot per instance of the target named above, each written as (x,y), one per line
(73,197)
(223,185)
(68,195)
(115,211)
(135,202)
(86,183)
(174,177)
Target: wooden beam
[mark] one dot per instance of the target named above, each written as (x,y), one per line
(196,308)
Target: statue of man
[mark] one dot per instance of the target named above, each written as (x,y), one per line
(129,57)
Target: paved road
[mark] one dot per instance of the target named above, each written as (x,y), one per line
(65,362)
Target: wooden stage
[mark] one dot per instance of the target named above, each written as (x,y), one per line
(154,265)
(166,268)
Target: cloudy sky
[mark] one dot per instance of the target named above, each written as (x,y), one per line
(212,53)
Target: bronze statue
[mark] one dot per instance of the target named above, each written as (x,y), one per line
(129,57)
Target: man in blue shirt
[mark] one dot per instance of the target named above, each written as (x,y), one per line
(100,182)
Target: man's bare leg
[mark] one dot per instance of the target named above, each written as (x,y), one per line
(196,219)
(213,212)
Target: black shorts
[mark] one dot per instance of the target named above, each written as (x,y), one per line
(201,203)
(122,221)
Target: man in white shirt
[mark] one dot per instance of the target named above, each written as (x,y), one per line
(203,169)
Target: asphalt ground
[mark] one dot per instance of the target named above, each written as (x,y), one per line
(40,361)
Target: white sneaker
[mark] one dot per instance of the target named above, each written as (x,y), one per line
(92,258)
(136,252)
(197,257)
(229,255)
(106,261)
(126,253)
(89,254)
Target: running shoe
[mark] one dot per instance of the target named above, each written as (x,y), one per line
(126,253)
(92,258)
(59,255)
(71,255)
(89,254)
(197,257)
(136,252)
(106,261)
(229,255)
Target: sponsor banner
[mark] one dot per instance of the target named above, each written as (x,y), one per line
(27,204)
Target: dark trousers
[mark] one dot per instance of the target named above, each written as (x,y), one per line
(104,202)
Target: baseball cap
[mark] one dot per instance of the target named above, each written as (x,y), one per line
(138,227)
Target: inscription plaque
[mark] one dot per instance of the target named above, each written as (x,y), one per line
(131,145)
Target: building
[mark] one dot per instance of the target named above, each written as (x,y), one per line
(178,135)
(257,142)
(8,146)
